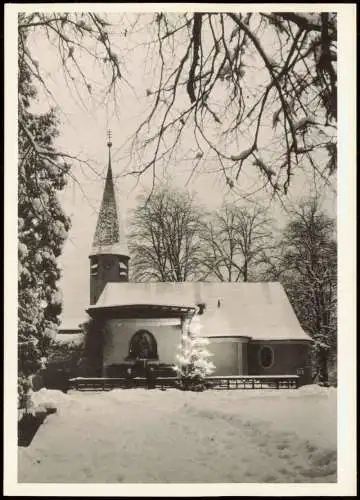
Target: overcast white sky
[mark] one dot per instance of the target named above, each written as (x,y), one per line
(84,132)
(84,123)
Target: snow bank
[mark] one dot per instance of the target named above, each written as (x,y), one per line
(147,436)
(48,399)
(316,390)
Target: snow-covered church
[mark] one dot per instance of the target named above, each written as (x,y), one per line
(251,327)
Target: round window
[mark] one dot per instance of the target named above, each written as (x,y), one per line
(266,357)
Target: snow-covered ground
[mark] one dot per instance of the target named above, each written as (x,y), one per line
(153,436)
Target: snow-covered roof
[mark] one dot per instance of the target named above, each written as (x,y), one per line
(72,324)
(144,294)
(255,310)
(69,338)
(215,322)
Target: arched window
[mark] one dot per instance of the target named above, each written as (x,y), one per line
(94,267)
(123,270)
(266,356)
(142,346)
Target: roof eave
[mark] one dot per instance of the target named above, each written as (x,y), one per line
(97,310)
(282,339)
(110,250)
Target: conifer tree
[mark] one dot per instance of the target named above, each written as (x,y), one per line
(193,364)
(42,230)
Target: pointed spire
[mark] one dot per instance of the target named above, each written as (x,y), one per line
(109,233)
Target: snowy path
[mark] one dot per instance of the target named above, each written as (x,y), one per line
(140,436)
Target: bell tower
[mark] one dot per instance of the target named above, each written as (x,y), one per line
(109,258)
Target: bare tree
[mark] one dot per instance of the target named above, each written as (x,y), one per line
(76,37)
(309,272)
(235,242)
(255,88)
(255,92)
(164,237)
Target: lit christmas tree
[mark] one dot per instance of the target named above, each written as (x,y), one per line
(193,364)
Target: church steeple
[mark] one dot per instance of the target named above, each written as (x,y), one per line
(109,233)
(109,256)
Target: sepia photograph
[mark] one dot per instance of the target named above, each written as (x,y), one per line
(177,239)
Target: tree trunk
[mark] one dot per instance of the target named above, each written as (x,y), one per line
(245,273)
(323,367)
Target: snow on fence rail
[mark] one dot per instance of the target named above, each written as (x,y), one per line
(214,382)
(255,382)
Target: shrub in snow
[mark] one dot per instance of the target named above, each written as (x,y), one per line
(47,400)
(24,385)
(37,380)
(62,364)
(192,362)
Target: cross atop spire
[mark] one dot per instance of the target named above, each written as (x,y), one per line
(109,143)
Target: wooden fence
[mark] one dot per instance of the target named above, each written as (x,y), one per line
(213,382)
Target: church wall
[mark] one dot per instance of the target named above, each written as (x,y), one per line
(289,358)
(229,355)
(118,333)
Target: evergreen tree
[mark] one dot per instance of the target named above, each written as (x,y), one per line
(42,230)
